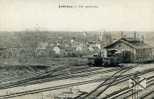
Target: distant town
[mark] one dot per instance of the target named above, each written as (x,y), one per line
(21,46)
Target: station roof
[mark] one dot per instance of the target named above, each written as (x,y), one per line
(134,43)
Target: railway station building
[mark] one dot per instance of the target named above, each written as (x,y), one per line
(132,50)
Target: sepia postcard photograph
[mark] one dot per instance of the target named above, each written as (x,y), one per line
(76,49)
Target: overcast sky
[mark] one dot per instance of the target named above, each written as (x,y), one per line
(16,15)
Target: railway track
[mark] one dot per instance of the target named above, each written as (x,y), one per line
(39,75)
(81,73)
(58,73)
(55,74)
(119,93)
(34,75)
(99,90)
(150,84)
(122,92)
(63,86)
(49,88)
(147,95)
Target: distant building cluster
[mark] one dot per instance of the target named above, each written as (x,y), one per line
(60,47)
(134,47)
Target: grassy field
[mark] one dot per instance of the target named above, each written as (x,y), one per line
(47,61)
(10,73)
(14,72)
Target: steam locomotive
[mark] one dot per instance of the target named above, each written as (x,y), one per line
(113,58)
